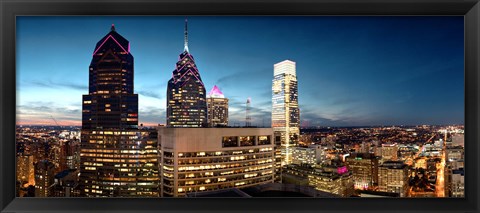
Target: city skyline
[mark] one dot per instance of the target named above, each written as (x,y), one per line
(425,86)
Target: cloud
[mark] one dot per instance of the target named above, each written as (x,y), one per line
(52,84)
(151,115)
(150,94)
(42,113)
(246,78)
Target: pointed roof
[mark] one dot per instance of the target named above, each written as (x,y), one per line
(113,36)
(215,93)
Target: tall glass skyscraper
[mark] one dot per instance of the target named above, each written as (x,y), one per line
(285,111)
(110,102)
(117,159)
(186,97)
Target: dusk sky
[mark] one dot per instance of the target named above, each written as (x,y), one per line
(351,71)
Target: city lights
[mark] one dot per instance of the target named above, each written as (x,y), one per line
(203,149)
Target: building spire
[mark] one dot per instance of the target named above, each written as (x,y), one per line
(186,36)
(113,27)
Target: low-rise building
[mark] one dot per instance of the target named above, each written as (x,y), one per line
(338,182)
(66,184)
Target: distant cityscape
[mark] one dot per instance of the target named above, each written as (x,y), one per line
(199,152)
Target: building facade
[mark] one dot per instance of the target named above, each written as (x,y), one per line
(311,155)
(209,159)
(364,167)
(116,158)
(186,97)
(389,152)
(44,178)
(217,106)
(120,164)
(66,184)
(338,182)
(457,179)
(25,170)
(110,102)
(393,177)
(285,111)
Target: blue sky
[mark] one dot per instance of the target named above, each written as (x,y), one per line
(351,71)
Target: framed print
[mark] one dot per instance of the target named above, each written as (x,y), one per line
(239,106)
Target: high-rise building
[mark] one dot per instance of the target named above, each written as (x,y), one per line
(116,158)
(285,111)
(393,177)
(110,103)
(25,170)
(186,97)
(364,167)
(457,179)
(210,159)
(44,178)
(217,108)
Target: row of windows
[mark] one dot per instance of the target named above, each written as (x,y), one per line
(221,159)
(238,183)
(235,141)
(224,166)
(222,173)
(218,153)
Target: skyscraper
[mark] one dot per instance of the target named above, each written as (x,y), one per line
(111,103)
(186,97)
(116,159)
(285,111)
(44,178)
(217,108)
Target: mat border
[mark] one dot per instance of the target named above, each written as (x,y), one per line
(9,9)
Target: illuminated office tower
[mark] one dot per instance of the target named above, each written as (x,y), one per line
(111,103)
(217,106)
(116,158)
(210,159)
(44,178)
(186,97)
(393,177)
(285,111)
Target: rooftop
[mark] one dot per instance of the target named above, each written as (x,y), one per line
(215,93)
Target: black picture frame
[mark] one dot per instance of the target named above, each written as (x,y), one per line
(9,9)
